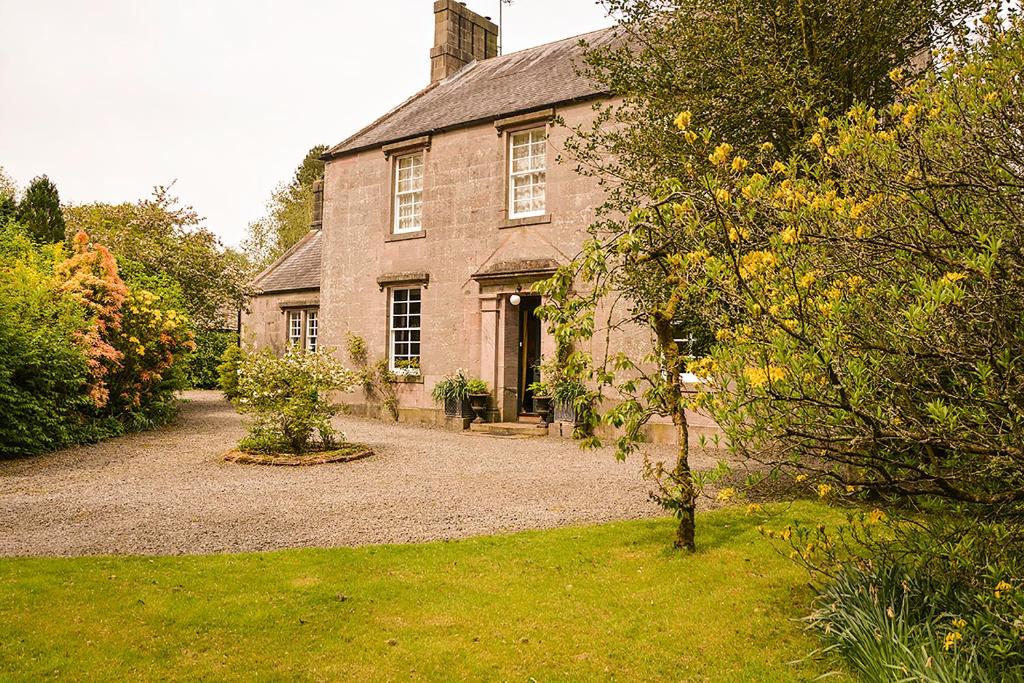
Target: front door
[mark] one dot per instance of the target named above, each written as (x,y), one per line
(529,351)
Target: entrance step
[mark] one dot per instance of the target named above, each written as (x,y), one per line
(523,430)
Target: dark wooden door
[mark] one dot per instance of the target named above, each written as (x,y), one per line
(529,351)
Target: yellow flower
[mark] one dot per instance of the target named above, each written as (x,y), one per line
(959,623)
(823,122)
(896,75)
(734,235)
(726,494)
(722,195)
(141,350)
(721,153)
(683,120)
(767,147)
(786,533)
(779,167)
(1001,588)
(753,507)
(690,136)
(739,164)
(951,640)
(758,377)
(133,340)
(808,279)
(790,235)
(801,477)
(816,139)
(954,277)
(824,490)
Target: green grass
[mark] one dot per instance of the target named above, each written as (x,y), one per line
(588,603)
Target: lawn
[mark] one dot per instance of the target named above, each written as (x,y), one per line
(597,602)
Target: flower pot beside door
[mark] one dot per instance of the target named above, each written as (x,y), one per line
(479,403)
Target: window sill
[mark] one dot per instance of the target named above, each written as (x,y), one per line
(526,220)
(402,236)
(408,379)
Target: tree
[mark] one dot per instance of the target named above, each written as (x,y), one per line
(8,198)
(158,236)
(39,211)
(757,72)
(870,331)
(289,212)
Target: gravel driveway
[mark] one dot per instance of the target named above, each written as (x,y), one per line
(169,492)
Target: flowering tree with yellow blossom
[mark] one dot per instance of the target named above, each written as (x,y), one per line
(866,295)
(758,72)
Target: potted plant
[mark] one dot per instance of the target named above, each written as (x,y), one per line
(541,401)
(452,392)
(564,395)
(479,398)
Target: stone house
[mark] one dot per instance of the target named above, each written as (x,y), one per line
(439,216)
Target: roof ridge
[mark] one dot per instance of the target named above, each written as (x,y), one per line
(528,79)
(552,42)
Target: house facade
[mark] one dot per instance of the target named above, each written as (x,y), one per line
(439,217)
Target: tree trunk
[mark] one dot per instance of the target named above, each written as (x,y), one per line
(683,477)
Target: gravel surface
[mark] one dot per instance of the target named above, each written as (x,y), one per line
(170,492)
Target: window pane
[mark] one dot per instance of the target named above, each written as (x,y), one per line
(405,330)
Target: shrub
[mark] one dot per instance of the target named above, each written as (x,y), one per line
(376,378)
(44,374)
(203,365)
(288,399)
(227,371)
(940,601)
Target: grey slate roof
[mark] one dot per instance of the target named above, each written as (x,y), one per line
(502,86)
(298,268)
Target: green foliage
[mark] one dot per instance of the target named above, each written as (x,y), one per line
(161,237)
(454,389)
(8,198)
(84,356)
(940,602)
(867,295)
(204,363)
(44,375)
(477,386)
(40,213)
(289,398)
(227,371)
(375,377)
(289,213)
(757,71)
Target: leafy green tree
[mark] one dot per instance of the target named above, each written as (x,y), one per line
(759,73)
(289,212)
(39,211)
(870,329)
(8,198)
(158,236)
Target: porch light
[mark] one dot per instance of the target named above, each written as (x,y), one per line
(515,299)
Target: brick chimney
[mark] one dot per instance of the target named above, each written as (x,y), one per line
(460,37)
(318,205)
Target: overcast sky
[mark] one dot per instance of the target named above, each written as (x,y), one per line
(112,97)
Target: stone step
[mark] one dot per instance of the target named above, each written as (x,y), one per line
(522,430)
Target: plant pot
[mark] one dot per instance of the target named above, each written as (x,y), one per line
(565,411)
(542,406)
(479,404)
(454,407)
